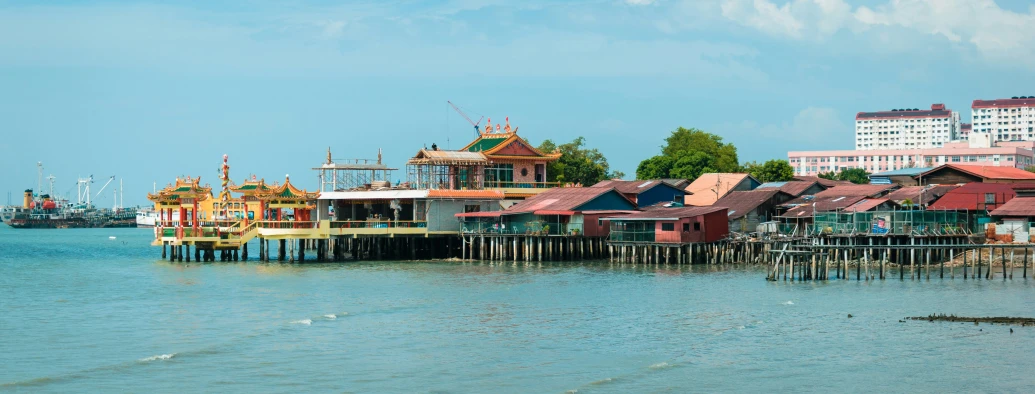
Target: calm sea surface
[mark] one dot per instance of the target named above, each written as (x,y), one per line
(81,312)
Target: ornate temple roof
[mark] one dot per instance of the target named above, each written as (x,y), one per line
(506,143)
(287,191)
(183,188)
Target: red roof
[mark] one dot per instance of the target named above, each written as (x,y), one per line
(971,195)
(1020,206)
(554,212)
(478,194)
(671,213)
(986,172)
(822,181)
(1028,102)
(866,205)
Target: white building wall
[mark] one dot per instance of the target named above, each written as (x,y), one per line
(1005,123)
(906,132)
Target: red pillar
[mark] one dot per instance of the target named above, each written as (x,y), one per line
(183,215)
(194,214)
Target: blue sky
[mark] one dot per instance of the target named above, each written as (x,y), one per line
(149,91)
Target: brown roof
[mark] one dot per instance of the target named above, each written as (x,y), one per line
(986,172)
(740,203)
(702,191)
(631,187)
(796,188)
(913,193)
(850,190)
(822,181)
(670,213)
(560,199)
(866,204)
(1018,206)
(822,204)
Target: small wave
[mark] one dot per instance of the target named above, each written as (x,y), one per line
(602,381)
(659,365)
(789,303)
(741,327)
(303,321)
(158,357)
(331,316)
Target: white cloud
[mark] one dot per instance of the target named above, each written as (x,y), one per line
(811,128)
(997,34)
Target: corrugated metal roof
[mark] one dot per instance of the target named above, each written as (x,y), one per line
(970,195)
(822,204)
(866,204)
(913,193)
(1019,206)
(710,187)
(669,213)
(559,199)
(773,185)
(374,195)
(466,194)
(987,172)
(490,214)
(632,187)
(794,188)
(741,202)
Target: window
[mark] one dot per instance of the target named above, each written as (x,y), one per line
(686,227)
(697,226)
(472,208)
(989,198)
(501,173)
(668,227)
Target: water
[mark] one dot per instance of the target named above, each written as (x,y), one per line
(81,312)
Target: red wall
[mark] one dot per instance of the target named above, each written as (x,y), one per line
(592,229)
(714,227)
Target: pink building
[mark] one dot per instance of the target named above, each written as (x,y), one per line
(1006,154)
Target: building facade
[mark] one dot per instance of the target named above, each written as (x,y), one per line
(1011,119)
(873,161)
(906,128)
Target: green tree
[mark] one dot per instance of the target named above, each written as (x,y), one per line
(657,167)
(688,153)
(854,175)
(577,164)
(770,171)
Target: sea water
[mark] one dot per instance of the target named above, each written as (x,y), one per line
(80,311)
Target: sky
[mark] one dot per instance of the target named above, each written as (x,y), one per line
(148,91)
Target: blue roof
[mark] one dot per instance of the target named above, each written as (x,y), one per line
(904,171)
(772,185)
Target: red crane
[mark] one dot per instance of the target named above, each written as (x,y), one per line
(461,112)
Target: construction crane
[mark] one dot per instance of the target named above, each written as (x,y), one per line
(102,187)
(461,112)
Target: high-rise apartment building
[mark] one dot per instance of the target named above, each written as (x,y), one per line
(906,128)
(1011,119)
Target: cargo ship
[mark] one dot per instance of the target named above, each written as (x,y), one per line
(46,211)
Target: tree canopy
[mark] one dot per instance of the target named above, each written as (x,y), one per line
(687,154)
(854,175)
(771,171)
(577,164)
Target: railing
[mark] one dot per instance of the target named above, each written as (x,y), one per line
(520,185)
(287,224)
(380,224)
(632,236)
(891,223)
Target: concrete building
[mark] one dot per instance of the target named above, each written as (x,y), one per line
(978,150)
(906,128)
(1011,119)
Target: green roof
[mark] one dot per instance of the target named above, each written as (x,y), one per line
(248,187)
(183,189)
(287,193)
(485,144)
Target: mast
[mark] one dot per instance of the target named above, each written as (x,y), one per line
(39,177)
(122,195)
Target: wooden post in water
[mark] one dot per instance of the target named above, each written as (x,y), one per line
(1002,252)
(1024,271)
(912,270)
(1011,263)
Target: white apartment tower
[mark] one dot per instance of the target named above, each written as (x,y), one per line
(1011,119)
(906,128)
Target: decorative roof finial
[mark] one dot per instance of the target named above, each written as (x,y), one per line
(507,128)
(488,125)
(329,155)
(497,128)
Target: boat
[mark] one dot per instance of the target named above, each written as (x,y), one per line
(47,211)
(149,218)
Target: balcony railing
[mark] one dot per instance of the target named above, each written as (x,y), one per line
(529,228)
(632,236)
(380,224)
(520,185)
(287,224)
